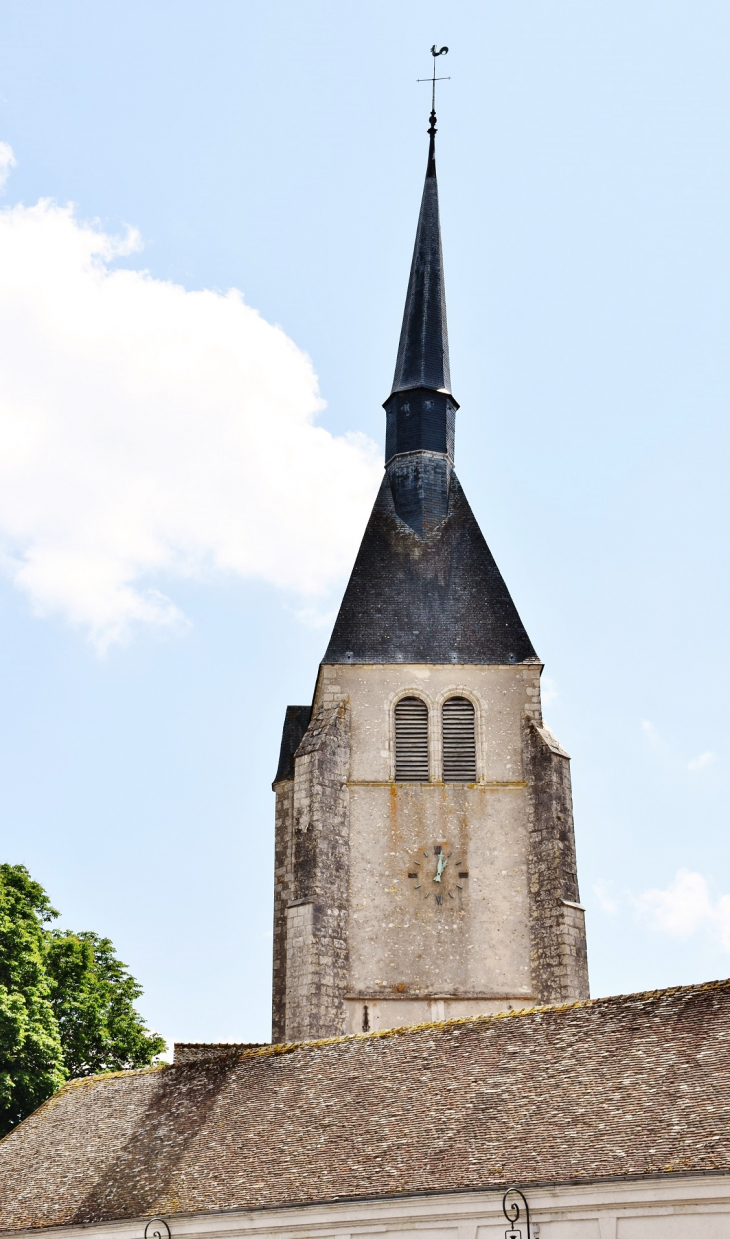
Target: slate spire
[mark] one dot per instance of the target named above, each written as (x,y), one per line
(423,351)
(425,587)
(420,411)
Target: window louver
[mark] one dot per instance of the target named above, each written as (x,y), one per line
(411,741)
(460,754)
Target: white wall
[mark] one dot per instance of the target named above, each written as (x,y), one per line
(695,1207)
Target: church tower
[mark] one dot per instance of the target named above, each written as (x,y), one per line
(425,857)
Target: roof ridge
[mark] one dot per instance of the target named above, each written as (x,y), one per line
(83,1082)
(79,1081)
(403,1030)
(289,1047)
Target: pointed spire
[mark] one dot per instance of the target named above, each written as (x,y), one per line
(431,165)
(420,411)
(425,588)
(423,351)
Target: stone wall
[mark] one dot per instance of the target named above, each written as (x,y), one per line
(312,854)
(283,887)
(558,951)
(364,936)
(296,721)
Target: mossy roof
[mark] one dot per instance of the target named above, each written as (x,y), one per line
(633,1085)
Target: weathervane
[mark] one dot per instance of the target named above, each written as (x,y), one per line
(435,51)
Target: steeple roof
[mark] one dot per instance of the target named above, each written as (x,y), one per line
(434,599)
(425,587)
(423,351)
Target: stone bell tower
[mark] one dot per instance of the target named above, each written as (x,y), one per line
(425,858)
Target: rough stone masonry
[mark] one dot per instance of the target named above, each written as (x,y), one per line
(399,901)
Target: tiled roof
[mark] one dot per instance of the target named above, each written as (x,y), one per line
(434,599)
(193,1051)
(636,1085)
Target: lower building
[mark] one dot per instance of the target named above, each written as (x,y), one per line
(611,1116)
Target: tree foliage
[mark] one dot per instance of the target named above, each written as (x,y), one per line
(93,998)
(31,1055)
(66,1002)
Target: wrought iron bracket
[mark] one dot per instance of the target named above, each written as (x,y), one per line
(157,1228)
(512,1212)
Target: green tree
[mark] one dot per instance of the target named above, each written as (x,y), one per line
(93,998)
(31,1055)
(66,1003)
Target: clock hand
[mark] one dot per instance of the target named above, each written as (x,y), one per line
(442,863)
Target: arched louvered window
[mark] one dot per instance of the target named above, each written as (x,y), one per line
(460,750)
(411,741)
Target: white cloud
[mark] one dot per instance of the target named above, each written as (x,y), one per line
(666,751)
(148,432)
(608,901)
(681,908)
(699,763)
(7,163)
(651,733)
(685,908)
(548,690)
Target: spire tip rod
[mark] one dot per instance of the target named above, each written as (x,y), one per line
(441,51)
(435,52)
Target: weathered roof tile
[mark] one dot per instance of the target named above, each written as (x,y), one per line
(434,599)
(635,1085)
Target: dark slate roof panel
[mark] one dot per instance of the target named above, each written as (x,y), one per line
(434,599)
(296,722)
(423,350)
(624,1086)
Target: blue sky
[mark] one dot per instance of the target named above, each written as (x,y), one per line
(279,149)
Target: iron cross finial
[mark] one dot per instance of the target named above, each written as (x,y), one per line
(435,51)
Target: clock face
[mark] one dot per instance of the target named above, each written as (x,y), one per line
(440,874)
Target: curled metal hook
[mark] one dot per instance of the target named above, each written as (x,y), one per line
(157,1228)
(440,52)
(512,1212)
